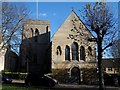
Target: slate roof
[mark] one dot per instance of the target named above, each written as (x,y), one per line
(111,63)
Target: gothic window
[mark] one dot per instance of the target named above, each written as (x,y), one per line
(89,51)
(67,53)
(82,53)
(47,29)
(32,32)
(59,52)
(74,51)
(36,32)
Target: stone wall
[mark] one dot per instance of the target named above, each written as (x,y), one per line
(61,39)
(35,47)
(72,31)
(11,61)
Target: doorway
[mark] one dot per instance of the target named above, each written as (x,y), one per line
(75,75)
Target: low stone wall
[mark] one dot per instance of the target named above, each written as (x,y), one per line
(60,75)
(88,76)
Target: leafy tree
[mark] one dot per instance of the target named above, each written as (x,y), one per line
(13,16)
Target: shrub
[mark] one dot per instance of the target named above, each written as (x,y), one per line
(16,75)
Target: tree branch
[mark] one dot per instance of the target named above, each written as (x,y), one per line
(110,44)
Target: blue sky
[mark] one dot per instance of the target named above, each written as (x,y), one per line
(57,12)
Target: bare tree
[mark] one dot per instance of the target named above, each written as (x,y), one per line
(115,49)
(12,20)
(100,22)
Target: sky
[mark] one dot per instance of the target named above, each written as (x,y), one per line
(59,0)
(57,12)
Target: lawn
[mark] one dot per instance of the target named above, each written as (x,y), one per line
(69,87)
(13,87)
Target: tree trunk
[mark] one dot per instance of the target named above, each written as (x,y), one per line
(101,83)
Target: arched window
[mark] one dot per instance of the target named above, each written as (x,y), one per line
(82,53)
(75,51)
(36,32)
(67,53)
(47,29)
(59,52)
(89,51)
(32,32)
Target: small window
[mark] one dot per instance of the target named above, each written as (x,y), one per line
(89,51)
(36,35)
(109,69)
(58,52)
(82,53)
(104,69)
(67,53)
(32,32)
(36,32)
(47,29)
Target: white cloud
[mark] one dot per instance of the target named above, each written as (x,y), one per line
(43,14)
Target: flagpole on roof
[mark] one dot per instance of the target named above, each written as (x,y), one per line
(37,9)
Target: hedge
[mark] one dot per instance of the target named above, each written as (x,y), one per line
(16,75)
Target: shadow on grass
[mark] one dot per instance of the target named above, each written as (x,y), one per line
(22,87)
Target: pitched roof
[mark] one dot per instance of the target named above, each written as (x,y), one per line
(111,62)
(71,16)
(82,22)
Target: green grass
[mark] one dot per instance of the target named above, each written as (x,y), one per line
(12,87)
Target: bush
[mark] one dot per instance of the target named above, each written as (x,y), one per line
(22,76)
(16,75)
(108,80)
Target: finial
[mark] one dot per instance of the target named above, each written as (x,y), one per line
(72,8)
(36,9)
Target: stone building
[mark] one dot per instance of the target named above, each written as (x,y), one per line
(8,58)
(35,47)
(11,61)
(73,56)
(70,55)
(111,66)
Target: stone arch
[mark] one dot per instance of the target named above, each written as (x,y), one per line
(74,48)
(75,74)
